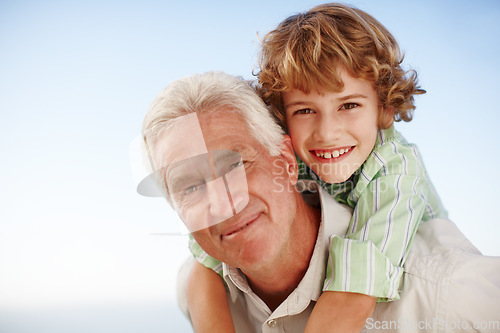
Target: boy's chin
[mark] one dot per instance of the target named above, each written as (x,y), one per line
(333,178)
(333,173)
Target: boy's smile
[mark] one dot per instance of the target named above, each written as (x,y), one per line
(332,153)
(333,132)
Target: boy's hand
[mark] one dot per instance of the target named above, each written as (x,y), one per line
(338,311)
(207,301)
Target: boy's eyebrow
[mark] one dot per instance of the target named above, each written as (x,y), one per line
(352,96)
(340,99)
(293,103)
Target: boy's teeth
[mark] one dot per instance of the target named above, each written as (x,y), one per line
(334,154)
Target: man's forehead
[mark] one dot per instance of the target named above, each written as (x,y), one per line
(195,134)
(183,139)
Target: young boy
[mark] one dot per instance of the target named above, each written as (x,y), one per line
(333,77)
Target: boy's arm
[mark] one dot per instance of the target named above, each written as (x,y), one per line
(338,311)
(207,302)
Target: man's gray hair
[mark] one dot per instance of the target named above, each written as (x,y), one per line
(209,92)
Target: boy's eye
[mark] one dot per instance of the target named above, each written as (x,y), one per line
(348,106)
(304,111)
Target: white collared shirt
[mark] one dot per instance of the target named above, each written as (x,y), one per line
(293,313)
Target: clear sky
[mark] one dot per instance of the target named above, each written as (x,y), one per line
(76,78)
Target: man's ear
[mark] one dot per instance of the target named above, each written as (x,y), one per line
(288,155)
(386,117)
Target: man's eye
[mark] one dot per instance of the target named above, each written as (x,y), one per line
(233,166)
(191,189)
(237,164)
(349,106)
(304,111)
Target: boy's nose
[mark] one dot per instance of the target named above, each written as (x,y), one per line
(327,130)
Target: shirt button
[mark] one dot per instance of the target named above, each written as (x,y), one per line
(271,323)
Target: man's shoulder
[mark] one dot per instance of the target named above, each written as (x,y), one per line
(334,215)
(438,247)
(438,237)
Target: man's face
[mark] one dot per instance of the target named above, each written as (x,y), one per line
(247,221)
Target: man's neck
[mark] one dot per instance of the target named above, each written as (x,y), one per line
(273,284)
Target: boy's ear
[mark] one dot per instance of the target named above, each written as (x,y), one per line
(386,117)
(288,155)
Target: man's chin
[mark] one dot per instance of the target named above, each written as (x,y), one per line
(252,258)
(248,250)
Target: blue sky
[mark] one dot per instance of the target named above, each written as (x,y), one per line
(76,78)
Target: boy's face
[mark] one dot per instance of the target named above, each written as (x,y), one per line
(333,133)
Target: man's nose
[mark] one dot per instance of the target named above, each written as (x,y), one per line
(327,129)
(220,204)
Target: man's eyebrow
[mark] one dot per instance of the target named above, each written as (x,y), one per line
(181,171)
(243,149)
(225,156)
(174,183)
(173,176)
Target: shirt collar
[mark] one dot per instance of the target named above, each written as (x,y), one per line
(385,135)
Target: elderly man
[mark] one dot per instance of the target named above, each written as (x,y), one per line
(231,174)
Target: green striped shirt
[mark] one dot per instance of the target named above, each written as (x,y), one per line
(390,195)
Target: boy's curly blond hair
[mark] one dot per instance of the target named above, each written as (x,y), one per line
(306,50)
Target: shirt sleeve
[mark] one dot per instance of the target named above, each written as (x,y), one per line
(203,257)
(370,257)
